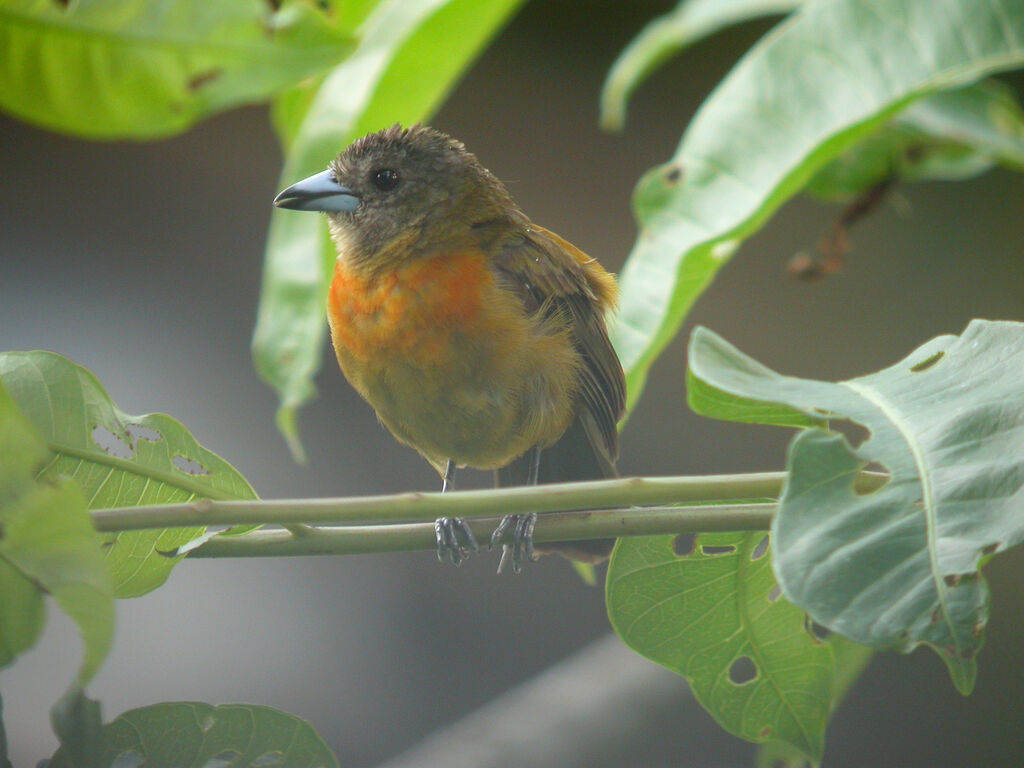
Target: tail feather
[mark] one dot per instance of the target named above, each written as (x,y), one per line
(575,457)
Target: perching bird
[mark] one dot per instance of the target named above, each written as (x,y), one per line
(478,337)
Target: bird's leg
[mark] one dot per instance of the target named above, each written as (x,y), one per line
(521,526)
(454,538)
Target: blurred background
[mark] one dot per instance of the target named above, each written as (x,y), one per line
(142,262)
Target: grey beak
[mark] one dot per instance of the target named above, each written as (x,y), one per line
(318,193)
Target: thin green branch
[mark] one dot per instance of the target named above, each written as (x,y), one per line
(422,507)
(402,522)
(556,526)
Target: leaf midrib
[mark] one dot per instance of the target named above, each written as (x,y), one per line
(164,476)
(892,413)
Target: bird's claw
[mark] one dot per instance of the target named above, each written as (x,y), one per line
(455,540)
(521,543)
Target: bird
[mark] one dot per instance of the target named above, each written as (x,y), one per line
(478,337)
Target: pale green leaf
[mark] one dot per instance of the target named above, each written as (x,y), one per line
(194,735)
(47,545)
(825,78)
(900,566)
(410,54)
(668,35)
(118,460)
(139,69)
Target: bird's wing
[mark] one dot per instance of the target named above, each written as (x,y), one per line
(552,275)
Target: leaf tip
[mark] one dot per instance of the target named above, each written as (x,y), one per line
(287,425)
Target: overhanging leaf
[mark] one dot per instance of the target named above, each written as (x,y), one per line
(899,566)
(117,459)
(47,545)
(713,616)
(824,79)
(668,35)
(411,53)
(195,735)
(949,135)
(139,69)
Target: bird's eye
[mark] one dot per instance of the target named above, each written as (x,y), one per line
(385,179)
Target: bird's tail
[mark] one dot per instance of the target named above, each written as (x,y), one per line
(575,457)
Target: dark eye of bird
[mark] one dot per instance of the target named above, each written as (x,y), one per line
(385,179)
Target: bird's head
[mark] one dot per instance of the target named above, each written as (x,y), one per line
(401,192)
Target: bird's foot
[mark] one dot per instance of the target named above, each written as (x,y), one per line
(521,543)
(455,541)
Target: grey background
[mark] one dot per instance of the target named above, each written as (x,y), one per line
(142,262)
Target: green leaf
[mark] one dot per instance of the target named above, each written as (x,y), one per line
(690,22)
(823,80)
(138,69)
(709,615)
(195,735)
(79,726)
(47,544)
(898,567)
(949,135)
(118,460)
(410,55)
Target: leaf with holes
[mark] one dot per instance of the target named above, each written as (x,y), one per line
(141,70)
(47,546)
(899,566)
(410,55)
(823,80)
(196,735)
(714,616)
(118,460)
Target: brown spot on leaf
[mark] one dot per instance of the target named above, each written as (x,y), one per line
(951,579)
(202,79)
(989,549)
(673,175)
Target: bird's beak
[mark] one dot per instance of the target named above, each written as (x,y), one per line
(318,193)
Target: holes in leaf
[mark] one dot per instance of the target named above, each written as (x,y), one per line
(188,466)
(222,759)
(207,724)
(716,549)
(268,759)
(742,671)
(854,433)
(954,579)
(817,632)
(927,363)
(128,759)
(111,443)
(990,549)
(683,544)
(775,594)
(673,175)
(761,549)
(138,432)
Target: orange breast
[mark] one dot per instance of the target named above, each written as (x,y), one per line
(408,312)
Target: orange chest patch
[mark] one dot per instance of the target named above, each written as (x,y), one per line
(410,311)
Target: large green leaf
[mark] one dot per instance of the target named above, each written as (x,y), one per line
(668,35)
(47,545)
(713,616)
(899,566)
(411,53)
(194,735)
(824,79)
(118,460)
(142,69)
